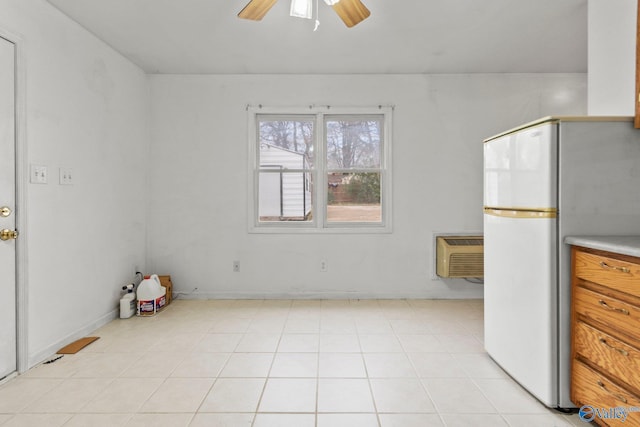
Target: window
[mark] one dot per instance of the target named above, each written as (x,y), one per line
(320,169)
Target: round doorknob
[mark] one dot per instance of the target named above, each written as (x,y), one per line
(5,211)
(7,234)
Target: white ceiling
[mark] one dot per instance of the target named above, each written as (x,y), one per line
(400,36)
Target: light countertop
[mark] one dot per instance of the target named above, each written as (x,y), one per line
(625,245)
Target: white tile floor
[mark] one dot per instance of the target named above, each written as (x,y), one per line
(281,363)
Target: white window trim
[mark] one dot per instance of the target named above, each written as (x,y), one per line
(319,224)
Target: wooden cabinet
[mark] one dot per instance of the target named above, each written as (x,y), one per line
(605,332)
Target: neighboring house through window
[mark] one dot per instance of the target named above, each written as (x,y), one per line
(320,169)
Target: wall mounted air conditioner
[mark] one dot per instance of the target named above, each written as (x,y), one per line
(460,256)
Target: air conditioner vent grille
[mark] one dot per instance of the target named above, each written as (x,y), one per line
(464,242)
(460,256)
(466,265)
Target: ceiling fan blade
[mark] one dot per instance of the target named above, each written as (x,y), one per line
(256,9)
(352,12)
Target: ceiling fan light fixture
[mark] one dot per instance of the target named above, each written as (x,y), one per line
(301,8)
(331,2)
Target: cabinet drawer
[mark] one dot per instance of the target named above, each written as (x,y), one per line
(616,314)
(621,275)
(610,354)
(591,388)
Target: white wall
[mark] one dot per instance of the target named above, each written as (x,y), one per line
(198,183)
(86,109)
(612,56)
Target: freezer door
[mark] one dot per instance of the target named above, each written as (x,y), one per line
(520,301)
(520,169)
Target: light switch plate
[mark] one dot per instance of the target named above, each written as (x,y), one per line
(39,174)
(66,176)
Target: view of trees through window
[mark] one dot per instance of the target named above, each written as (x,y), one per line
(290,134)
(352,151)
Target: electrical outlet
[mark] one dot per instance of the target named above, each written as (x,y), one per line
(324,266)
(236,266)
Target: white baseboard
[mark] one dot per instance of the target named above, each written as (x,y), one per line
(324,295)
(45,353)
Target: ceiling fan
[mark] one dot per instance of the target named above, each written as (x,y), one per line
(352,12)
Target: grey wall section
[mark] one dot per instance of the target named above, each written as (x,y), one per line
(612,57)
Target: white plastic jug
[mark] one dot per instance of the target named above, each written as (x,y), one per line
(151,296)
(128,305)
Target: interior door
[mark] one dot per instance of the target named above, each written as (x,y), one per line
(8,347)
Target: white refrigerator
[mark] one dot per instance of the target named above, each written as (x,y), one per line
(545,180)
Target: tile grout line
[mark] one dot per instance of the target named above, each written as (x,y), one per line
(318,370)
(366,371)
(273,359)
(217,378)
(420,380)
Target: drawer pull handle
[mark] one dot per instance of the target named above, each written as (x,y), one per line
(613,267)
(603,304)
(617,396)
(619,350)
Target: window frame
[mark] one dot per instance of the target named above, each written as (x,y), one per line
(319,171)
